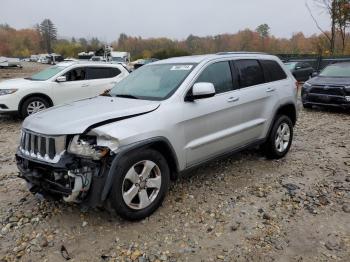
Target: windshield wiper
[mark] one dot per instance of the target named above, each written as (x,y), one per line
(127,96)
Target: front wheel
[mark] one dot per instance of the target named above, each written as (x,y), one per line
(140,184)
(280,138)
(33,105)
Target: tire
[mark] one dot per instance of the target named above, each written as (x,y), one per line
(307,106)
(126,196)
(29,104)
(270,147)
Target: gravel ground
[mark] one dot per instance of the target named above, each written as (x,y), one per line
(242,208)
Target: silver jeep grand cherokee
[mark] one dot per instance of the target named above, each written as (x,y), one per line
(125,146)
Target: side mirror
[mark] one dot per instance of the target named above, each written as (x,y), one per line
(61,79)
(314,74)
(201,90)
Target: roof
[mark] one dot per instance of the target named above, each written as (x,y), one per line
(87,63)
(196,59)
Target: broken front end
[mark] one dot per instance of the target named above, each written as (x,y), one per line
(73,168)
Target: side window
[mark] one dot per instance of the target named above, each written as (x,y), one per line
(298,65)
(220,75)
(101,72)
(113,72)
(272,71)
(250,72)
(76,74)
(306,65)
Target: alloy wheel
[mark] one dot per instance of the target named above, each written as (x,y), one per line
(282,137)
(141,184)
(35,107)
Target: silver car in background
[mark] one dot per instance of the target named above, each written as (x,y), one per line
(163,119)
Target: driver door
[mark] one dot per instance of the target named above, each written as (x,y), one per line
(75,87)
(210,124)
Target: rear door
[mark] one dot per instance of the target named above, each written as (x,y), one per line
(308,70)
(257,99)
(302,71)
(210,124)
(102,78)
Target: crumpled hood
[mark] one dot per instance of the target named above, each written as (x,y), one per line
(16,83)
(76,117)
(320,80)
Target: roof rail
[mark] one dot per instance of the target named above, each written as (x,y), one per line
(240,52)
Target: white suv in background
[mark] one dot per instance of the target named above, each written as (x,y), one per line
(62,83)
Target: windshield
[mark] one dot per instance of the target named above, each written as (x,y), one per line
(47,73)
(290,66)
(336,70)
(153,82)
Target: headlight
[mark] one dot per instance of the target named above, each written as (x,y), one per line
(7,91)
(86,146)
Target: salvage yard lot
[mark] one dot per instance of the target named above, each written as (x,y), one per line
(242,208)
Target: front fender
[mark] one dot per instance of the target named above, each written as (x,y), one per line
(124,151)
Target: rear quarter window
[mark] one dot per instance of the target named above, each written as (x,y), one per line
(272,71)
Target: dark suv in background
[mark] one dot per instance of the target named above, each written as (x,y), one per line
(302,71)
(330,88)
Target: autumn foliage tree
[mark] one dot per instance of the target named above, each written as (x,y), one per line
(18,43)
(23,43)
(339,14)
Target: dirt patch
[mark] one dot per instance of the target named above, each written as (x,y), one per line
(28,69)
(243,208)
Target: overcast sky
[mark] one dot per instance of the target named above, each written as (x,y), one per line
(175,19)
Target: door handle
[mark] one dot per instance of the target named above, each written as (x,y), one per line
(232,99)
(270,89)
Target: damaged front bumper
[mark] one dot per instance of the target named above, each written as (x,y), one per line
(72,178)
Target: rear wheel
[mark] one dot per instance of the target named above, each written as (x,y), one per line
(280,138)
(140,184)
(33,105)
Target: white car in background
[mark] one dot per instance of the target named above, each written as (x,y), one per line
(63,83)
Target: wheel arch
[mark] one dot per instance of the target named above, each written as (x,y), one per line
(289,110)
(160,144)
(34,95)
(164,147)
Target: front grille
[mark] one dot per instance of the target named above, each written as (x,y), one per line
(328,90)
(42,147)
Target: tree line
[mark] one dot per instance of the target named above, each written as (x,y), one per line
(330,41)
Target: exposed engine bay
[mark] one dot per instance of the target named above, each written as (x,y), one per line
(72,184)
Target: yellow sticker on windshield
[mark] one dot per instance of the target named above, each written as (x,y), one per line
(181,67)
